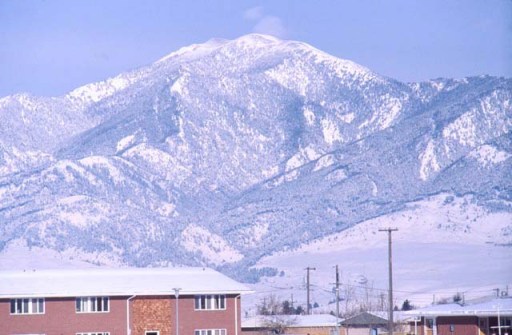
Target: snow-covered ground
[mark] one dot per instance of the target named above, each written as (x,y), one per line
(441,248)
(17,255)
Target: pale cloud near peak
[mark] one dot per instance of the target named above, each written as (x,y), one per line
(254,13)
(265,24)
(270,25)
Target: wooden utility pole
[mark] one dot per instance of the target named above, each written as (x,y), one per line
(307,288)
(390,290)
(337,300)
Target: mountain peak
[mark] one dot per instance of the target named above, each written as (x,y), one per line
(201,49)
(258,39)
(195,50)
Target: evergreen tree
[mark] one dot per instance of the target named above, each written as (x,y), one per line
(406,306)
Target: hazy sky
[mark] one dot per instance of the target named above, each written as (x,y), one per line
(49,47)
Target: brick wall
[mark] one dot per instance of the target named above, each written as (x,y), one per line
(462,325)
(190,319)
(147,313)
(60,318)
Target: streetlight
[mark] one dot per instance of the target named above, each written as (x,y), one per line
(177,295)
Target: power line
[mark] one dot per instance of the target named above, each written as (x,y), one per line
(328,289)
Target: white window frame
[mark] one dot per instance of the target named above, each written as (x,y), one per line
(93,333)
(25,306)
(90,305)
(221,331)
(506,321)
(210,302)
(152,331)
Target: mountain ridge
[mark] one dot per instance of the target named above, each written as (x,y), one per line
(230,143)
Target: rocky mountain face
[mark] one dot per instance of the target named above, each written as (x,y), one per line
(221,153)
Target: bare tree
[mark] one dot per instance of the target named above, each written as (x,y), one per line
(279,323)
(270,305)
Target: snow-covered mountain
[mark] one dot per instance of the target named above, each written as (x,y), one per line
(225,152)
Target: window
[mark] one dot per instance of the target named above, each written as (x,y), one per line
(210,332)
(430,323)
(152,332)
(94,333)
(506,321)
(92,305)
(210,302)
(27,306)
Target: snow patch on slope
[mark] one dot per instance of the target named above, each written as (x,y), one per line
(13,159)
(194,50)
(384,117)
(17,255)
(296,80)
(302,157)
(309,116)
(463,129)
(347,118)
(330,131)
(95,92)
(323,162)
(124,143)
(253,234)
(488,155)
(213,247)
(180,85)
(160,161)
(428,161)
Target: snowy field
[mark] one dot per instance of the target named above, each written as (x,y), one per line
(437,252)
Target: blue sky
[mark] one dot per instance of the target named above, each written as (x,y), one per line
(49,47)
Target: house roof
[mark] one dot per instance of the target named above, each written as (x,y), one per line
(116,282)
(486,308)
(292,321)
(364,319)
(398,316)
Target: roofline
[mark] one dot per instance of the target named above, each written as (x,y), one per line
(121,294)
(290,326)
(507,313)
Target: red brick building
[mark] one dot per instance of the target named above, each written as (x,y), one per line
(492,317)
(171,301)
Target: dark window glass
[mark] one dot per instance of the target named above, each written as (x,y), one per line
(25,305)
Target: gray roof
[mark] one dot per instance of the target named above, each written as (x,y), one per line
(398,316)
(116,282)
(364,319)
